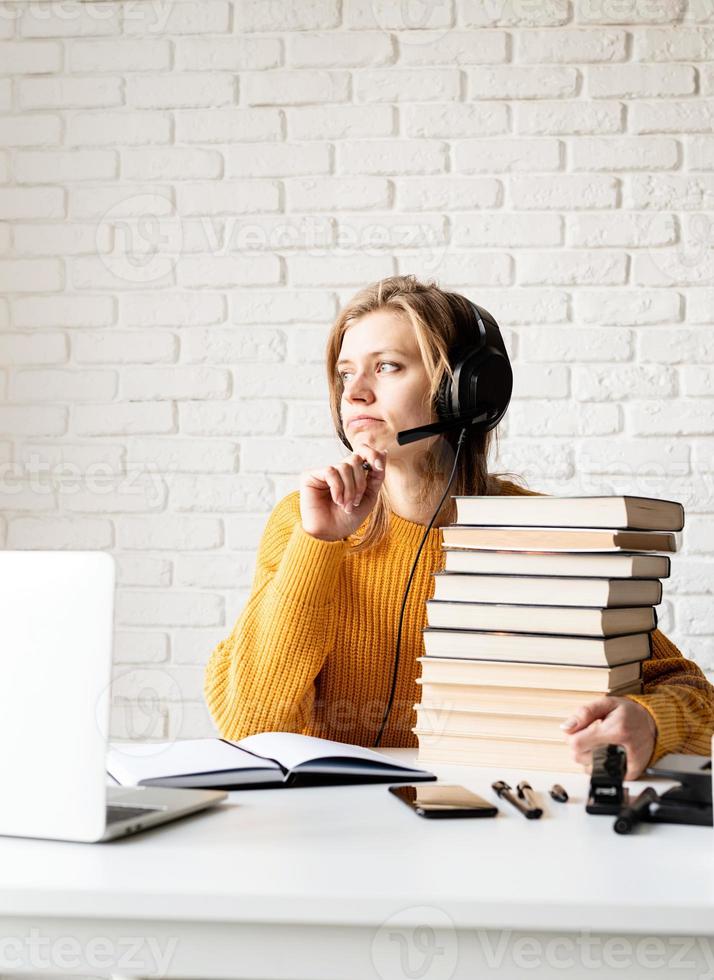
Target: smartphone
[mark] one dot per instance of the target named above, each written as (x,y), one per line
(438,801)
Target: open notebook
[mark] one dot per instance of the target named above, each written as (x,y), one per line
(266,759)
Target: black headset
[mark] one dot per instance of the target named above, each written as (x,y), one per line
(482,378)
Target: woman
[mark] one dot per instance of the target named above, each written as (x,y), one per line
(313,650)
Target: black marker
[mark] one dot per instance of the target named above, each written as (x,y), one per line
(503,790)
(636,811)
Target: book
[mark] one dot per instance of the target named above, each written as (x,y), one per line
(633,513)
(567,620)
(523,701)
(556,539)
(584,651)
(493,673)
(450,721)
(262,760)
(546,591)
(506,753)
(622,565)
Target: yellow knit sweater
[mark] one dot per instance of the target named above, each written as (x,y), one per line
(313,650)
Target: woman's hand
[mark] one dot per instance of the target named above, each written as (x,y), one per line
(334,501)
(619,721)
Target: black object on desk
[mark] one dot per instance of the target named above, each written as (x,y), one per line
(634,812)
(691,801)
(559,793)
(440,801)
(607,793)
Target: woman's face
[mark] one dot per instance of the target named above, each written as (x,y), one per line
(384,377)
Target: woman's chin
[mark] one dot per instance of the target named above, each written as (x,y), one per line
(364,437)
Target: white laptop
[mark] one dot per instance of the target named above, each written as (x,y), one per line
(56,619)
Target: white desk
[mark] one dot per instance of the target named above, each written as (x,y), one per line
(342,883)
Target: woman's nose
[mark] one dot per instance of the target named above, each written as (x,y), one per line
(358,387)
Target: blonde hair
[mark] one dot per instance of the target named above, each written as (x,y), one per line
(440,321)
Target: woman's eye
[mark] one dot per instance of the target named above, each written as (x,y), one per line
(343,374)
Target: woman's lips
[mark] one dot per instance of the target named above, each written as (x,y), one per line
(358,423)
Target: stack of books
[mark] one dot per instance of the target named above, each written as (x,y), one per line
(544,604)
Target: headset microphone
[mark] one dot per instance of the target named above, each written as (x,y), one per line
(422,431)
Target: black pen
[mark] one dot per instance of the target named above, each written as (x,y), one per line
(503,790)
(635,811)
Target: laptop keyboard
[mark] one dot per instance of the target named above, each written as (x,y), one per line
(115,813)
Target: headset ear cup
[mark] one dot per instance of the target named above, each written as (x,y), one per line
(485,378)
(444,409)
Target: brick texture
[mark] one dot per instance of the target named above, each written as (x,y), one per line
(189,191)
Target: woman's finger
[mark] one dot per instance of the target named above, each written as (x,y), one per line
(334,480)
(371,455)
(347,473)
(377,468)
(359,471)
(370,466)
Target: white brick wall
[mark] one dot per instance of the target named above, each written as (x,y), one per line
(189,189)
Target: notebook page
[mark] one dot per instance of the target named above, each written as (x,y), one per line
(130,762)
(292,750)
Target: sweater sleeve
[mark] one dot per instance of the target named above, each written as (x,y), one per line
(262,677)
(680,699)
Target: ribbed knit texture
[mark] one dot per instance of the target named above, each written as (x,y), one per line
(313,650)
